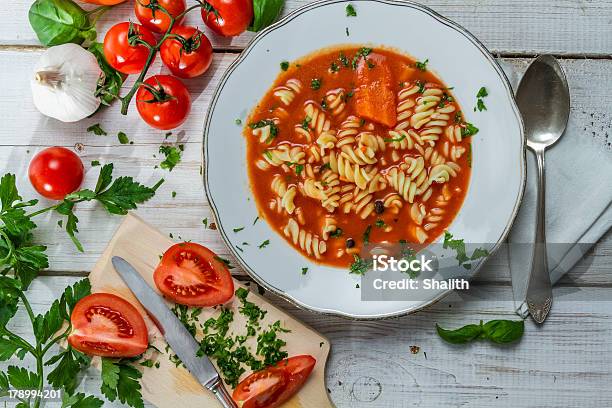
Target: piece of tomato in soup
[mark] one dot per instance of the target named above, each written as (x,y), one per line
(374,96)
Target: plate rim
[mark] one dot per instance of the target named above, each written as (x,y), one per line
(285,20)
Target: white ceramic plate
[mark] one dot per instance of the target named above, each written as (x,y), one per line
(460,60)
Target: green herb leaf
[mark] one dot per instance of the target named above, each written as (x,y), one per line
(264,13)
(264,244)
(421,66)
(504,331)
(122,137)
(315,84)
(360,266)
(109,89)
(482,92)
(65,374)
(462,335)
(121,380)
(22,379)
(124,194)
(80,400)
(97,130)
(469,130)
(304,271)
(57,22)
(284,65)
(350,11)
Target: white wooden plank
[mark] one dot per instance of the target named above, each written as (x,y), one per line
(567,362)
(520,26)
(27,132)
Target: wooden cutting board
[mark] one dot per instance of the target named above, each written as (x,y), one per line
(171,386)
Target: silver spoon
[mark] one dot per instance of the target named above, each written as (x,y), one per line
(544,101)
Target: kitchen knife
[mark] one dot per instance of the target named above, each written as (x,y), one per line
(177,336)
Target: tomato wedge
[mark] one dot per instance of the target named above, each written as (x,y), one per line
(273,386)
(193,275)
(107,325)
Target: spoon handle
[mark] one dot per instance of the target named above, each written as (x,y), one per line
(539,290)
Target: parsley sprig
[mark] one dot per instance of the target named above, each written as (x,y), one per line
(47,330)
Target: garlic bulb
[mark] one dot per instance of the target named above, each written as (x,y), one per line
(65,82)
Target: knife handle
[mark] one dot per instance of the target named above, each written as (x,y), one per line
(221,394)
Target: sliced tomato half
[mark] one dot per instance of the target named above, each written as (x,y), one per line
(107,325)
(193,275)
(273,386)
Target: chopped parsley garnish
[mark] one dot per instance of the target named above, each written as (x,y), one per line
(299,168)
(446,98)
(173,194)
(362,53)
(326,166)
(256,219)
(238,229)
(334,67)
(95,163)
(306,122)
(347,32)
(350,11)
(284,65)
(315,84)
(238,122)
(337,233)
(225,261)
(380,223)
(205,222)
(421,66)
(304,271)
(469,130)
(458,245)
(123,139)
(395,139)
(480,105)
(458,117)
(264,244)
(263,123)
(421,86)
(172,156)
(97,130)
(344,60)
(360,266)
(366,234)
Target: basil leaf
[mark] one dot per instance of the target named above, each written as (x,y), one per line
(503,331)
(462,335)
(265,12)
(57,22)
(108,88)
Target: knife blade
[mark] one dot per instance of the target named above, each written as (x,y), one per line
(177,336)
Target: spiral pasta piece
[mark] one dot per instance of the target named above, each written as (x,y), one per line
(285,153)
(327,140)
(318,120)
(348,131)
(307,241)
(405,103)
(336,101)
(329,226)
(348,171)
(425,107)
(288,92)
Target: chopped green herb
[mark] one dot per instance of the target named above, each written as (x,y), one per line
(334,67)
(238,229)
(168,134)
(360,266)
(238,122)
(458,117)
(306,122)
(264,244)
(205,222)
(263,123)
(172,157)
(482,92)
(344,60)
(337,233)
(480,105)
(469,130)
(97,130)
(395,139)
(422,66)
(95,163)
(362,53)
(304,271)
(350,11)
(380,223)
(366,234)
(225,261)
(256,219)
(421,86)
(284,65)
(347,32)
(123,139)
(458,245)
(173,194)
(315,84)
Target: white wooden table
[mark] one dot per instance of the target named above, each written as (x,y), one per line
(565,363)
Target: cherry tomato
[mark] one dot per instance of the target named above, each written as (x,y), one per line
(56,172)
(188,57)
(151,16)
(163,102)
(120,54)
(228,17)
(193,275)
(107,325)
(273,386)
(103,2)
